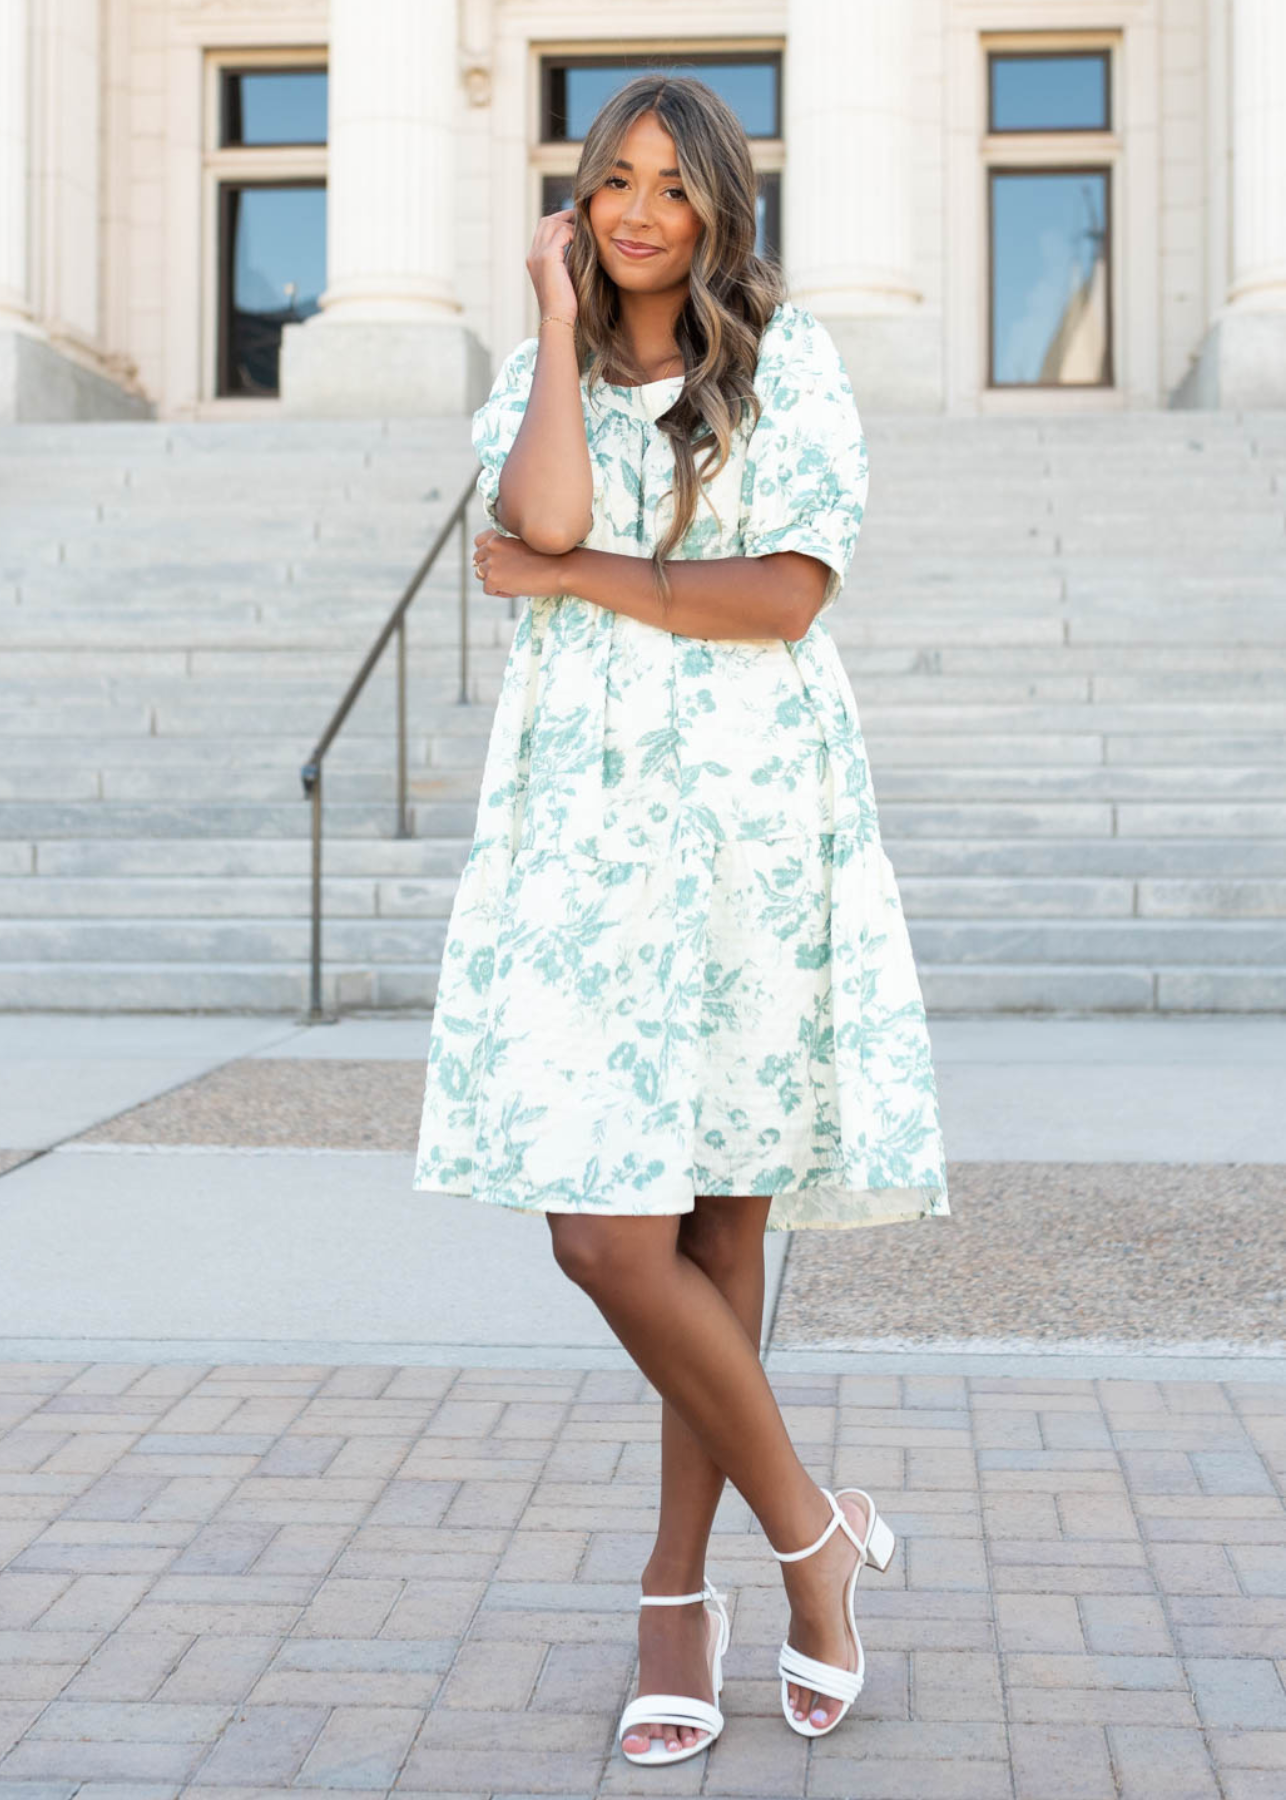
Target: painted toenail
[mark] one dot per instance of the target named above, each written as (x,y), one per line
(819,1715)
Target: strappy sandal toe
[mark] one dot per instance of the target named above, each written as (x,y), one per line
(874,1546)
(680,1709)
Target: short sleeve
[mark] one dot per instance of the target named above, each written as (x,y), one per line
(806,474)
(496,422)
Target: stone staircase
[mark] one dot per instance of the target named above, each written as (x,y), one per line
(1067,637)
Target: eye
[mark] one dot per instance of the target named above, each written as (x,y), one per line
(612,178)
(678,192)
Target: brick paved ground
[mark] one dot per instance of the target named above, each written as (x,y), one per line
(242,1579)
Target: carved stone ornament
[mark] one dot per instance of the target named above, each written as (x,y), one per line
(475,74)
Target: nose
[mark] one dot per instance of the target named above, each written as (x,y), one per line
(637,214)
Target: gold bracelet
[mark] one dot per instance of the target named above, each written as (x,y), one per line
(547,318)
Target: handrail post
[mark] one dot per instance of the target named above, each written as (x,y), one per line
(402,830)
(464,612)
(313,776)
(311,771)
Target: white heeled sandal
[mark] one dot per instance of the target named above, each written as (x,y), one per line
(680,1709)
(876,1546)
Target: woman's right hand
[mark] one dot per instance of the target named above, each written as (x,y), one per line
(547,266)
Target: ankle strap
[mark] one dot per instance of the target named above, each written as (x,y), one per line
(670,1599)
(837,1518)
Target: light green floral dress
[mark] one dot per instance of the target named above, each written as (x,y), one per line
(677,963)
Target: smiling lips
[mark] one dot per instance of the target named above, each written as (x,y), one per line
(629,249)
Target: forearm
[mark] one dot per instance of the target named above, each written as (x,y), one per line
(546,485)
(748,597)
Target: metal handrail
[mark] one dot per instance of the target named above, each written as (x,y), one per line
(311,772)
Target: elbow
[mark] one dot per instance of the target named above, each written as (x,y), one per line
(548,538)
(801,612)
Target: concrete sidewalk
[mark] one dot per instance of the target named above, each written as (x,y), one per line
(242,1187)
(284,1505)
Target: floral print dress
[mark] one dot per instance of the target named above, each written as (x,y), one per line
(677,963)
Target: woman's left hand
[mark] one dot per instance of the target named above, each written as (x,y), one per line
(510,567)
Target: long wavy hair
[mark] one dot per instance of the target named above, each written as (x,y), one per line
(732,292)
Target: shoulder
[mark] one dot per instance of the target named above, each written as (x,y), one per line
(521,360)
(797,355)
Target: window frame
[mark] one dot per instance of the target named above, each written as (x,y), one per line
(1054,151)
(559,156)
(243,165)
(1061,387)
(223,293)
(626,59)
(1102,51)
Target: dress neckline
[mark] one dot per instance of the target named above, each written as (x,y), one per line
(645,401)
(637,386)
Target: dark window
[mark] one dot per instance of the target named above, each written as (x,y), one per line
(272,269)
(573,88)
(556,196)
(1050,278)
(272,106)
(1049,90)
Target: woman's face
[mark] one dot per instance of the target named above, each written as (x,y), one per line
(642,202)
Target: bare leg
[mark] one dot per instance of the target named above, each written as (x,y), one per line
(689,1342)
(724,1236)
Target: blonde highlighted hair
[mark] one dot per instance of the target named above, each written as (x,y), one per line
(732,292)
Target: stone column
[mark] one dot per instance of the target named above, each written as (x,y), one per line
(1242,362)
(389,337)
(846,215)
(52,363)
(1258,155)
(15,107)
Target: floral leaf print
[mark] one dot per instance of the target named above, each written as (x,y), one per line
(677,962)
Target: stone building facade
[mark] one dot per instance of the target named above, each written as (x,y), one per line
(214,208)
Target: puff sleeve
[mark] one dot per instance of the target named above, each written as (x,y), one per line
(496,422)
(806,472)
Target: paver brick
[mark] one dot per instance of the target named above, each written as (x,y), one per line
(45,1759)
(911,1780)
(956,1685)
(571,1670)
(213,1668)
(1061,1762)
(345,1607)
(1044,1622)
(1231,1472)
(1248,1749)
(1238,1692)
(361,1747)
(1156,1763)
(263,1746)
(1130,1623)
(1094,1516)
(1262,1569)
(945,1563)
(1102,1706)
(146,1722)
(762,1756)
(129,1665)
(1009,1430)
(494,1675)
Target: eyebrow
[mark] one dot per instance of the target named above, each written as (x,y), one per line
(622,164)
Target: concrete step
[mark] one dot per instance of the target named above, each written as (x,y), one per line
(1066,636)
(970,990)
(133,895)
(241,859)
(1242,859)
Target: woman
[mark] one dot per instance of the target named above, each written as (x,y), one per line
(678,1005)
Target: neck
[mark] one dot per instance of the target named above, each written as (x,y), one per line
(647,325)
